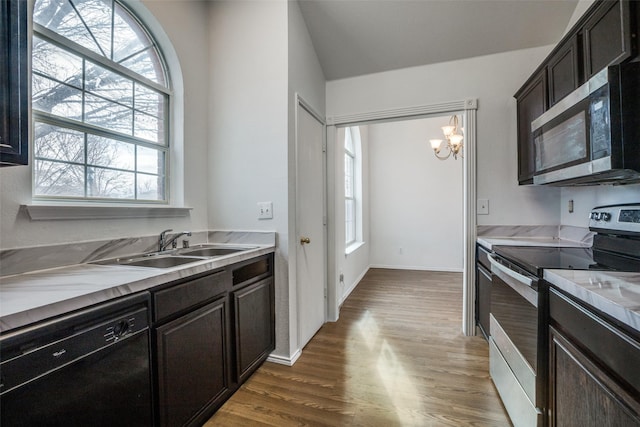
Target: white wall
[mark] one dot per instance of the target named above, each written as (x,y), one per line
(261,55)
(185,24)
(307,80)
(416,199)
(354,265)
(493,80)
(248,155)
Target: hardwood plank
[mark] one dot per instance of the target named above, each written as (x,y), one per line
(396,357)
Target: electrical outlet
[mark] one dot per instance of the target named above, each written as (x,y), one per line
(265,210)
(483,207)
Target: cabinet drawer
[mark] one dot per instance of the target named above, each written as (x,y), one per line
(619,352)
(180,297)
(253,270)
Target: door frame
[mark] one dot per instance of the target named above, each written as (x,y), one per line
(468,109)
(301,103)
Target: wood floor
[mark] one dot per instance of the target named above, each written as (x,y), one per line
(396,357)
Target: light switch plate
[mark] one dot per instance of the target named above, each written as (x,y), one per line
(483,207)
(265,210)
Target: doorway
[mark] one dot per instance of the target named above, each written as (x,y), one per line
(467,110)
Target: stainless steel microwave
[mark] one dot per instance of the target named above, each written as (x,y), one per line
(592,136)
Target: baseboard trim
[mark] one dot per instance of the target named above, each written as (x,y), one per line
(419,268)
(283,360)
(353,286)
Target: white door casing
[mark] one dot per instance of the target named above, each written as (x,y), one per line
(467,108)
(310,228)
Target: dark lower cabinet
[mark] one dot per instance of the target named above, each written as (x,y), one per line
(210,333)
(483,290)
(192,361)
(254,326)
(594,380)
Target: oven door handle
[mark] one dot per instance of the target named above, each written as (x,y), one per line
(509,272)
(520,283)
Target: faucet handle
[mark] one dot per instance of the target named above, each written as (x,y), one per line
(166,231)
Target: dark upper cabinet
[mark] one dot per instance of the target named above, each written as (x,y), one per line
(14,83)
(531,102)
(607,36)
(563,71)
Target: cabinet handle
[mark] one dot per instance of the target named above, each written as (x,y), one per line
(304,240)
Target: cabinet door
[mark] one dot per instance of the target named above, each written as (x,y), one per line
(531,103)
(563,71)
(607,36)
(254,326)
(14,82)
(192,364)
(483,298)
(582,394)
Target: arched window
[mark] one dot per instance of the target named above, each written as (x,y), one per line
(100,99)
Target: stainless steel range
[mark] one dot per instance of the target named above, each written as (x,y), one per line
(519,296)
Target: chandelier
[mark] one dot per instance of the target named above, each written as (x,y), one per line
(454,140)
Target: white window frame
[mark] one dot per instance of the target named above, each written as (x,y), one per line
(355,240)
(169,109)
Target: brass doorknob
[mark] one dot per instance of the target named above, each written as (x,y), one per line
(304,240)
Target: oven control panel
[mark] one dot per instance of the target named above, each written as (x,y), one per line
(616,218)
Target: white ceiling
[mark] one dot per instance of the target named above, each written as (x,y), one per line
(356,37)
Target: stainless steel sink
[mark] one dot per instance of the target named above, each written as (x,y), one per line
(176,257)
(210,252)
(159,261)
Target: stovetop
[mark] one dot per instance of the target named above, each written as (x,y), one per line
(535,259)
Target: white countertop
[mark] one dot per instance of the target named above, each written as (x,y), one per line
(31,297)
(614,293)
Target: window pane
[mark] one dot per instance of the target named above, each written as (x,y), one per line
(110,184)
(107,84)
(348,142)
(150,161)
(108,152)
(149,128)
(128,37)
(56,98)
(150,187)
(57,63)
(58,179)
(149,101)
(348,176)
(108,115)
(59,17)
(147,64)
(97,16)
(55,143)
(349,214)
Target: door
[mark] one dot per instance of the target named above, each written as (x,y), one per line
(310,211)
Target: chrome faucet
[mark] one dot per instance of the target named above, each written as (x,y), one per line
(163,242)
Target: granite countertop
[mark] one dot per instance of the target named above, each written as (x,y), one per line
(489,242)
(34,296)
(614,293)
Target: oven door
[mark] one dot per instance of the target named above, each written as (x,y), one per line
(514,326)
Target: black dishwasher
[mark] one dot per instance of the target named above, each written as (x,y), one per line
(89,368)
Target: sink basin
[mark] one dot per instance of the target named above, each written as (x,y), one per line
(154,262)
(211,252)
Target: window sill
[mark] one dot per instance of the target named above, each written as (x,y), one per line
(353,247)
(40,212)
